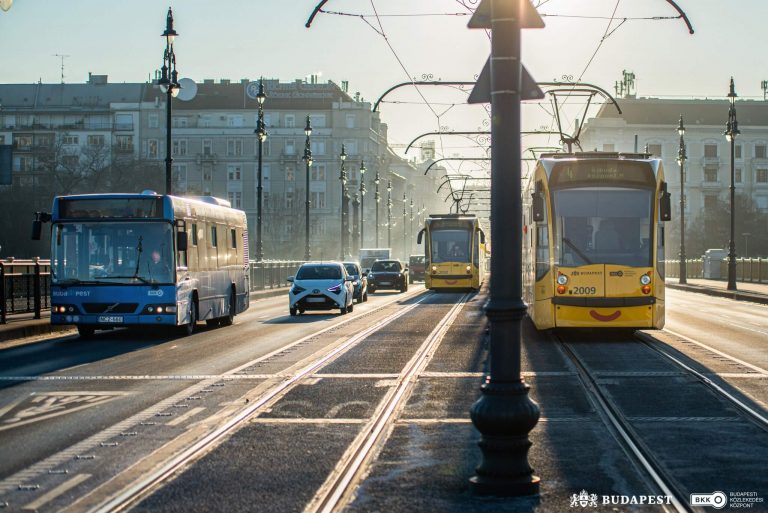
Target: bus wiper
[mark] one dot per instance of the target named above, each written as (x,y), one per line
(139,251)
(577,250)
(134,277)
(69,281)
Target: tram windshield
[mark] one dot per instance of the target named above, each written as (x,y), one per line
(113,253)
(450,245)
(603,226)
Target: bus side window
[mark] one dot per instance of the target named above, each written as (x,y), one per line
(182,260)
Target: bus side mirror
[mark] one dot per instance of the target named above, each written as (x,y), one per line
(37,229)
(482,236)
(420,236)
(181,241)
(538,207)
(665,204)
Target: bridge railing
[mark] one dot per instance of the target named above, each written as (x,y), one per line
(750,270)
(271,274)
(25,286)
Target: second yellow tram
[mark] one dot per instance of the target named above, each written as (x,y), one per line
(454,252)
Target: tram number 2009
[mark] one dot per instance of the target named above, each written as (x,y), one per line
(584,290)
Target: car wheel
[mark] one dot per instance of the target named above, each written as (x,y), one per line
(371,289)
(365,296)
(342,310)
(301,311)
(410,280)
(293,312)
(351,307)
(86,331)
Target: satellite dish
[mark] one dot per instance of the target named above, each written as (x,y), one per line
(188,89)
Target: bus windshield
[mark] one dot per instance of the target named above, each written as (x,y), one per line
(603,226)
(113,253)
(450,245)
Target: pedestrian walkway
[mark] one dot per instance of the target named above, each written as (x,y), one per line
(745,291)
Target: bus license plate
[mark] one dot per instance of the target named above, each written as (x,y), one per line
(112,319)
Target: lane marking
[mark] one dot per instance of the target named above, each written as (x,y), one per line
(47,405)
(179,377)
(55,492)
(274,420)
(712,349)
(191,413)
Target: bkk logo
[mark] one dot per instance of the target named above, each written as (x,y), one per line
(591,500)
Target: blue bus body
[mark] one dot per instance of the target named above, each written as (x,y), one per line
(118,260)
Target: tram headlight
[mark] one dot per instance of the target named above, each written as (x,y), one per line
(562,279)
(645,279)
(469,269)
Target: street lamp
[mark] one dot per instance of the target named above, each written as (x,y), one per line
(731,132)
(681,158)
(377,196)
(411,222)
(343,180)
(169,84)
(362,203)
(405,235)
(355,224)
(308,161)
(261,135)
(389,214)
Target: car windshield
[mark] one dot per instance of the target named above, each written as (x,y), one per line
(319,272)
(387,267)
(113,253)
(351,269)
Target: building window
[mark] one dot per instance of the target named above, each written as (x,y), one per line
(124,142)
(737,151)
(70,139)
(289,200)
(236,200)
(290,121)
(179,122)
(207,147)
(95,140)
(70,161)
(655,149)
(235,121)
(710,174)
(289,174)
(267,119)
(737,175)
(206,121)
(350,121)
(25,164)
(351,147)
(710,151)
(761,176)
(290,147)
(123,122)
(152,148)
(318,199)
(317,147)
(317,120)
(179,172)
(760,151)
(234,172)
(317,173)
(154,120)
(179,147)
(234,147)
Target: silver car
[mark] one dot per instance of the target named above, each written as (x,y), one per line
(321,286)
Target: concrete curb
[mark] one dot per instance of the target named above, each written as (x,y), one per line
(31,328)
(737,295)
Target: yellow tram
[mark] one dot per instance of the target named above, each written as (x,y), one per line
(455,252)
(593,248)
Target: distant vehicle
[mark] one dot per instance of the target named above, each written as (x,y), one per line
(146,260)
(369,255)
(388,274)
(455,252)
(416,267)
(360,282)
(321,286)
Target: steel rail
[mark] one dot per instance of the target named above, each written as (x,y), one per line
(718,352)
(331,495)
(149,482)
(623,432)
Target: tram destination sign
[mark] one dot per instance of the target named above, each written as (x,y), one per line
(131,208)
(602,172)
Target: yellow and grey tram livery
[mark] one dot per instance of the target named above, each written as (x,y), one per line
(594,241)
(454,251)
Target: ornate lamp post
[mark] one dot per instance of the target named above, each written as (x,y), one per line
(411,223)
(261,134)
(731,131)
(308,161)
(405,234)
(681,158)
(343,202)
(389,214)
(169,84)
(377,196)
(356,224)
(362,192)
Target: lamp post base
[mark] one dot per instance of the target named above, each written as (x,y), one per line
(504,415)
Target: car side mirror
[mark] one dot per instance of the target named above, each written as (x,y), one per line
(538,207)
(290,278)
(419,237)
(365,273)
(665,204)
(349,278)
(181,241)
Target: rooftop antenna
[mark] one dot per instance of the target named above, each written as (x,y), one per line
(764,86)
(62,57)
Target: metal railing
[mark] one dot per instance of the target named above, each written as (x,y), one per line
(25,286)
(748,270)
(272,274)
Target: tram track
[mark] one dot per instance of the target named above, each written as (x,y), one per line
(137,490)
(650,458)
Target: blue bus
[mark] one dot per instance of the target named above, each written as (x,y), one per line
(146,260)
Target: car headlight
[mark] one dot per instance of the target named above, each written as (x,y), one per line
(336,288)
(562,279)
(645,279)
(356,283)
(297,290)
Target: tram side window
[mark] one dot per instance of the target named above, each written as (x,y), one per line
(542,250)
(660,249)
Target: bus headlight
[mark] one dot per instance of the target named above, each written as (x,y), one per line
(562,279)
(645,279)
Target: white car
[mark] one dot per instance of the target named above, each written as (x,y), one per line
(321,286)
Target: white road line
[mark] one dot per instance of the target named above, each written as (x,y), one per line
(55,492)
(712,349)
(183,418)
(276,420)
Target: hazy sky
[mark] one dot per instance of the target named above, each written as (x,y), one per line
(248,38)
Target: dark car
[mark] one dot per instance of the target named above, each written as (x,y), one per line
(360,281)
(388,274)
(416,268)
